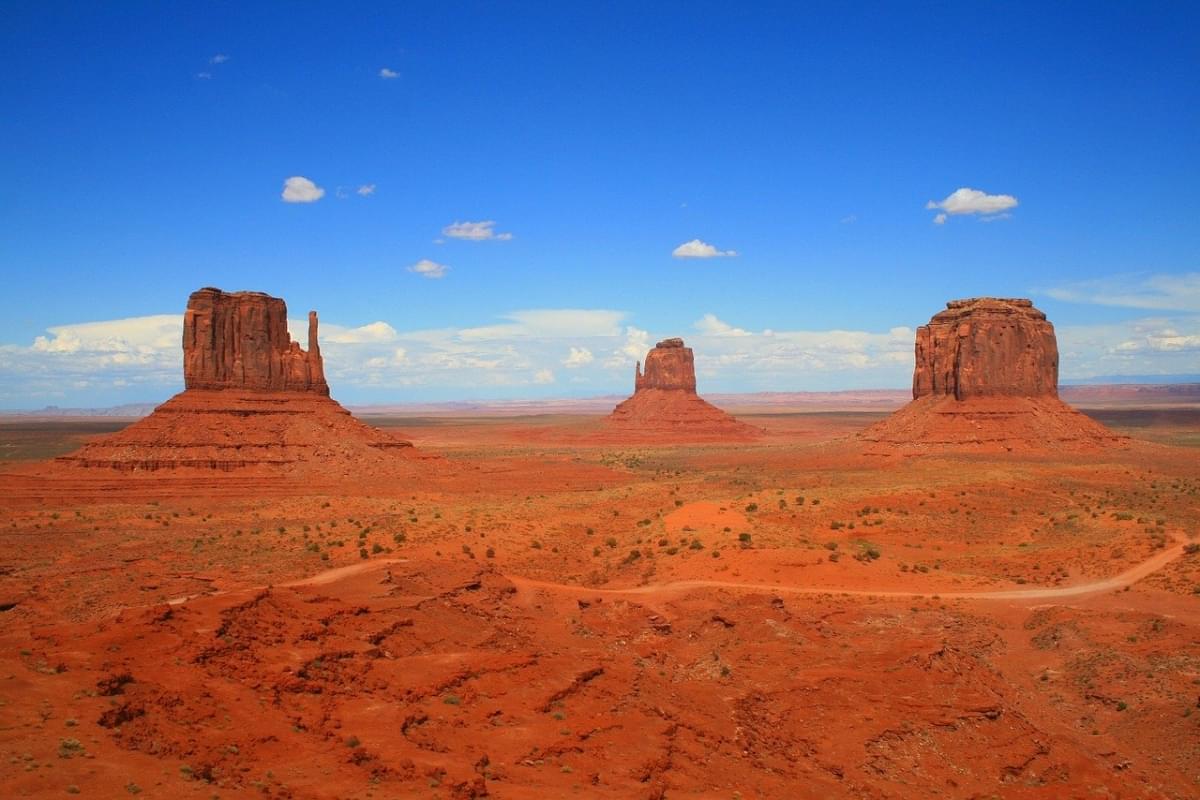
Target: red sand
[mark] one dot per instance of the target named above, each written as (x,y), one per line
(500,635)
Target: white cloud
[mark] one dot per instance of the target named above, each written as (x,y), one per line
(366,190)
(634,348)
(549,323)
(519,353)
(1175,292)
(133,336)
(373,332)
(429,269)
(219,58)
(388,74)
(849,219)
(1148,346)
(709,325)
(578,357)
(203,76)
(972,201)
(475,231)
(298,189)
(698,249)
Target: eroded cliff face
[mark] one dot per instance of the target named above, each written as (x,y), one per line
(239,340)
(987,347)
(669,365)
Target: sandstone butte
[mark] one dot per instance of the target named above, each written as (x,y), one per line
(665,405)
(986,378)
(252,399)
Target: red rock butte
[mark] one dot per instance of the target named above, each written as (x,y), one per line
(239,340)
(253,399)
(665,405)
(986,378)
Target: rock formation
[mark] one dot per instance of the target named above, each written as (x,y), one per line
(986,378)
(665,404)
(669,365)
(239,340)
(253,399)
(987,347)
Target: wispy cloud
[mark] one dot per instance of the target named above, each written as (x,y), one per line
(524,352)
(373,332)
(203,76)
(578,357)
(972,201)
(1175,292)
(366,190)
(699,249)
(388,74)
(475,231)
(219,58)
(298,189)
(710,325)
(429,269)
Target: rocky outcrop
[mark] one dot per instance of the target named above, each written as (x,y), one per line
(254,400)
(669,365)
(987,347)
(986,379)
(665,406)
(240,340)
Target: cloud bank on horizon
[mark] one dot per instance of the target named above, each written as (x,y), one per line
(539,352)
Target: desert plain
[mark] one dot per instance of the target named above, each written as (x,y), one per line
(534,614)
(533,605)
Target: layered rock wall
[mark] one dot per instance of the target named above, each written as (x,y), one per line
(239,340)
(669,365)
(986,347)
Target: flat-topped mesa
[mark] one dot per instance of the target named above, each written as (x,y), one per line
(669,365)
(986,379)
(987,347)
(240,340)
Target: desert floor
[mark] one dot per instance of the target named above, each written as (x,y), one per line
(540,612)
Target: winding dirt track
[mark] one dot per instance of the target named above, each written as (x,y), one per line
(1116,582)
(1126,578)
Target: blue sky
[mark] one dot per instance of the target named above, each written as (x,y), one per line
(147,146)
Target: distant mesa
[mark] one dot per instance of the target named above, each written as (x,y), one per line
(253,399)
(986,377)
(665,404)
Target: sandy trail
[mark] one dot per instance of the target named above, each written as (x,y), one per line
(320,579)
(1120,581)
